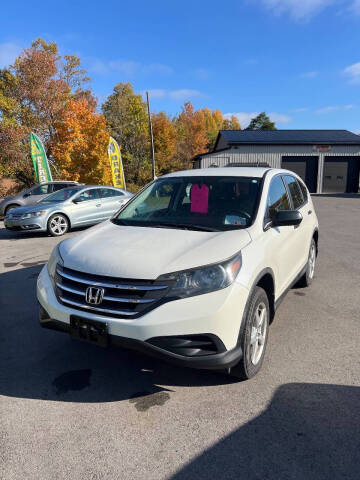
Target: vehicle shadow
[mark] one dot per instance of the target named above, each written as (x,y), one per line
(308,431)
(43,364)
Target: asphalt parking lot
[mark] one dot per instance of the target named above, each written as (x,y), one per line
(73,410)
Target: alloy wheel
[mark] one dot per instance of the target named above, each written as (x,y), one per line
(58,225)
(258,333)
(312,260)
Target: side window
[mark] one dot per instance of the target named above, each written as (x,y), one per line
(277,197)
(304,191)
(59,186)
(295,191)
(41,190)
(87,195)
(116,193)
(109,192)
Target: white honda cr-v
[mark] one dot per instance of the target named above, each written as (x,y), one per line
(191,270)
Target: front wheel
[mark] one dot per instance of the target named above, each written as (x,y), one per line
(10,207)
(253,336)
(57,225)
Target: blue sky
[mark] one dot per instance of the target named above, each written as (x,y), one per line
(298,60)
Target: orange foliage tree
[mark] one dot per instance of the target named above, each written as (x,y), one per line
(165,139)
(81,144)
(192,137)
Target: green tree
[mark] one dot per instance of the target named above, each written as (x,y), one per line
(126,117)
(261,122)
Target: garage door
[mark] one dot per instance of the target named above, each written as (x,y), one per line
(341,174)
(335,177)
(305,167)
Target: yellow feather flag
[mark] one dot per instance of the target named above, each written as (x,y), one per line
(117,169)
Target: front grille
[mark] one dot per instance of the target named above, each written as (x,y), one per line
(14,216)
(127,298)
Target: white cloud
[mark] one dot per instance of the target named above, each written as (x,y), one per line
(299,10)
(158,68)
(8,52)
(355,7)
(333,108)
(353,72)
(309,74)
(300,110)
(245,117)
(128,68)
(182,94)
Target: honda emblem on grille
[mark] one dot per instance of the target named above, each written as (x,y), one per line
(94,295)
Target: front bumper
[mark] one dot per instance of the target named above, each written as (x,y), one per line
(216,315)
(35,223)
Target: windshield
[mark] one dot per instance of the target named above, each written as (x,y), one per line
(61,195)
(206,203)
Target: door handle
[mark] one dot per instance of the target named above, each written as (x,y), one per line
(98,205)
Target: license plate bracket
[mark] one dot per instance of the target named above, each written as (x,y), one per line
(88,330)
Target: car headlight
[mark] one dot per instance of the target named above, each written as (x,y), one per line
(33,214)
(55,259)
(204,279)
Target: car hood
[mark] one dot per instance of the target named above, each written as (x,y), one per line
(146,253)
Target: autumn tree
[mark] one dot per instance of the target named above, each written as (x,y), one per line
(33,95)
(81,144)
(164,143)
(192,138)
(126,117)
(261,122)
(231,123)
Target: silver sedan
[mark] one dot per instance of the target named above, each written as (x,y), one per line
(68,208)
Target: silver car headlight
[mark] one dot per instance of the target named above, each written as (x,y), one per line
(33,214)
(55,259)
(202,280)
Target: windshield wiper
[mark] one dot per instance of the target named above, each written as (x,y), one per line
(184,226)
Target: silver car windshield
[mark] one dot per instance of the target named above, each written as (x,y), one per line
(208,203)
(61,195)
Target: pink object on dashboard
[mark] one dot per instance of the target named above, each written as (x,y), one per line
(199,196)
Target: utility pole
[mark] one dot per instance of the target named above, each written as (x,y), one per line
(151,136)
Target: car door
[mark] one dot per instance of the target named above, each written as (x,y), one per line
(37,193)
(86,208)
(111,201)
(279,242)
(302,235)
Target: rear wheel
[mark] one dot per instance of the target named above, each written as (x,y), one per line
(57,225)
(307,278)
(253,336)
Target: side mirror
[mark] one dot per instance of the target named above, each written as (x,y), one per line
(76,201)
(286,218)
(26,195)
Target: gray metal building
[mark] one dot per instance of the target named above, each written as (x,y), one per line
(327,160)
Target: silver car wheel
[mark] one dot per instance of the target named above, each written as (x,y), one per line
(58,225)
(312,261)
(258,333)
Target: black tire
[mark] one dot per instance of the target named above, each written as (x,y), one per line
(62,222)
(10,207)
(246,368)
(307,278)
